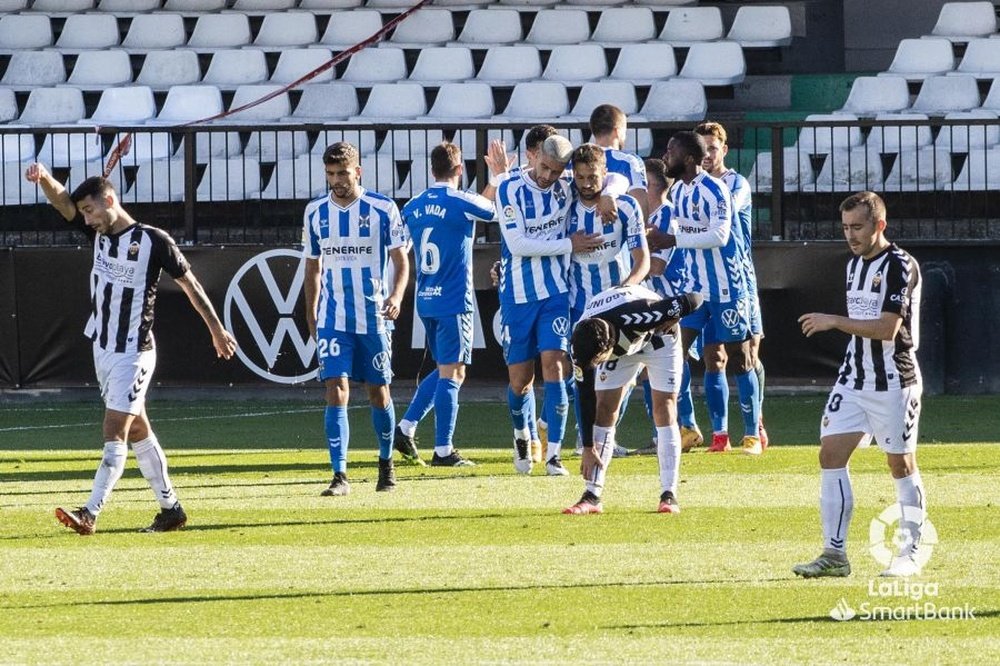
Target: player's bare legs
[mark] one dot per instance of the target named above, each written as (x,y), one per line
(690,433)
(758,369)
(742,361)
(595,459)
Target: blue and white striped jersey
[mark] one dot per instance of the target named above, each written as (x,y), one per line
(607,266)
(675,275)
(743,217)
(442,222)
(534,249)
(715,256)
(352,245)
(629,165)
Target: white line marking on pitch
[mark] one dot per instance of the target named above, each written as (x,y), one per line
(161,420)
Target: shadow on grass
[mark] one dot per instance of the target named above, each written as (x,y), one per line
(777,620)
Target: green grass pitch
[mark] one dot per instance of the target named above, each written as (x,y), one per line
(475,565)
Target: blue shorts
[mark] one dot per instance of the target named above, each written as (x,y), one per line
(721,323)
(450,338)
(756,321)
(527,329)
(364,357)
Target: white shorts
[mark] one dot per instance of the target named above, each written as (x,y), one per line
(124,378)
(892,417)
(663,366)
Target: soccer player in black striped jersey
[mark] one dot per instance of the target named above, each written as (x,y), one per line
(623,330)
(128,260)
(878,389)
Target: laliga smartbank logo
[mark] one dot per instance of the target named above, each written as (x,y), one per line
(893,596)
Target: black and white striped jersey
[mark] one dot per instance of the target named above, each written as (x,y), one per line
(636,313)
(123,280)
(888,282)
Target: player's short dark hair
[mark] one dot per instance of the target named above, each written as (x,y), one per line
(340,153)
(656,170)
(445,158)
(870,200)
(537,134)
(692,144)
(591,338)
(590,153)
(605,119)
(95,186)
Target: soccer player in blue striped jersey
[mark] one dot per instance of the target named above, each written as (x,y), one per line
(349,236)
(534,299)
(609,125)
(442,221)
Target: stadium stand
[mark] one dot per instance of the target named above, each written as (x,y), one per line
(918,59)
(940,95)
(761,27)
(691,25)
(715,64)
(24,31)
(553,27)
(429,27)
(624,25)
(155,31)
(963,138)
(376,66)
(393,101)
(31,69)
(53,106)
(468,101)
(493,27)
(964,21)
(163,69)
(872,95)
(510,64)
(642,64)
(234,67)
(281,30)
(325,102)
(220,31)
(981,59)
(575,64)
(593,94)
(536,101)
(437,65)
(124,106)
(924,170)
(293,64)
(343,28)
(675,99)
(893,139)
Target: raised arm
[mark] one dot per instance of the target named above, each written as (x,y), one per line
(224,343)
(53,190)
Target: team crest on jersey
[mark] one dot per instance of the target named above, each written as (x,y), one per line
(877,281)
(604,376)
(364,222)
(381,361)
(133,249)
(577,373)
(560,326)
(826,421)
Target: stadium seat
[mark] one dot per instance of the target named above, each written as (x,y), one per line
(461,101)
(269,111)
(190,6)
(981,59)
(797,169)
(491,27)
(619,93)
(410,144)
(436,65)
(263,5)
(992,101)
(155,31)
(330,4)
(981,171)
(428,27)
(24,31)
(325,102)
(819,139)
(553,27)
(466,138)
(376,66)
(220,31)
(642,64)
(366,141)
(462,4)
(379,174)
(53,106)
(126,7)
(964,21)
(233,179)
(963,138)
(13,5)
(943,94)
(8,105)
(392,101)
(287,29)
(81,171)
(917,59)
(850,171)
(624,25)
(271,146)
(300,178)
(16,190)
(124,106)
(537,101)
(715,64)
(675,99)
(389,5)
(575,63)
(99,69)
(690,25)
(761,27)
(88,31)
(19,148)
(62,6)
(871,95)
(596,3)
(923,170)
(166,68)
(187,103)
(293,64)
(60,149)
(347,28)
(529,4)
(33,69)
(510,64)
(894,139)
(234,67)
(158,181)
(146,147)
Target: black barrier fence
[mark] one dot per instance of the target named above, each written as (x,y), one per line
(248,183)
(44,303)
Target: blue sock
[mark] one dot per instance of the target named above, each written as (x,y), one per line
(748,388)
(532,415)
(384,422)
(518,405)
(685,405)
(338,434)
(624,406)
(717,397)
(556,408)
(445,411)
(571,399)
(423,399)
(759,371)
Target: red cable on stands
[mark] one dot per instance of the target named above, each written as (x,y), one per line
(125,144)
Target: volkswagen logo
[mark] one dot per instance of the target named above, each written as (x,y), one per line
(731,318)
(560,326)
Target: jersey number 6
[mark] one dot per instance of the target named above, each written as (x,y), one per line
(430,254)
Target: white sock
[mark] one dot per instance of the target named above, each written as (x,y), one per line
(153,465)
(913,505)
(524,434)
(836,505)
(444,451)
(409,428)
(668,452)
(552,449)
(111,469)
(604,444)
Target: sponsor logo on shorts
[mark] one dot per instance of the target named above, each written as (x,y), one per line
(560,326)
(730,318)
(381,361)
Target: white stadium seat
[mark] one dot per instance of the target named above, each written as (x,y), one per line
(898,138)
(675,99)
(234,67)
(271,146)
(428,27)
(102,68)
(348,28)
(364,140)
(233,179)
(52,106)
(186,103)
(576,63)
(529,4)
(375,66)
(163,69)
(489,27)
(220,31)
(88,31)
(917,59)
(410,144)
(24,31)
(13,5)
(624,25)
(287,29)
(619,93)
(963,138)
(145,147)
(124,106)
(263,5)
(992,101)
(158,181)
(761,27)
(871,95)
(19,148)
(269,111)
(193,6)
(300,178)
(62,6)
(642,64)
(392,101)
(981,59)
(923,170)
(510,64)
(819,139)
(964,21)
(378,173)
(537,101)
(595,3)
(16,191)
(155,31)
(715,64)
(943,94)
(981,171)
(443,64)
(80,171)
(325,102)
(463,101)
(850,171)
(293,64)
(8,105)
(690,25)
(553,27)
(797,170)
(33,69)
(330,4)
(125,7)
(60,149)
